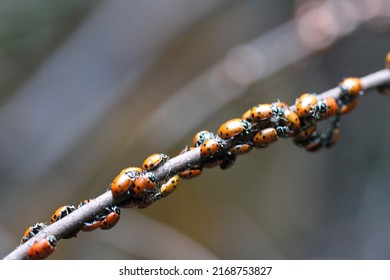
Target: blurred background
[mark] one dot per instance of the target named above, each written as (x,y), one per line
(88,88)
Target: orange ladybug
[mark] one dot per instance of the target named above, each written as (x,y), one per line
(210,147)
(42,248)
(233,128)
(143,183)
(265,137)
(306,104)
(351,86)
(153,161)
(124,181)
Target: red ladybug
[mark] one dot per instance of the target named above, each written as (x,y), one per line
(110,217)
(42,248)
(143,183)
(124,181)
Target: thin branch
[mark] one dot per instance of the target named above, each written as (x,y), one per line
(73,221)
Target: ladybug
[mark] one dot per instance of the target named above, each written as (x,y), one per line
(233,128)
(305,132)
(347,107)
(240,149)
(110,217)
(42,248)
(201,136)
(124,181)
(314,143)
(210,147)
(169,186)
(328,107)
(306,105)
(262,114)
(92,225)
(228,160)
(154,161)
(144,182)
(351,86)
(316,140)
(290,123)
(192,172)
(32,231)
(265,137)
(62,212)
(247,115)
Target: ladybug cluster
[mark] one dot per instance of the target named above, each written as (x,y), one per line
(141,186)
(258,127)
(264,124)
(42,248)
(138,183)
